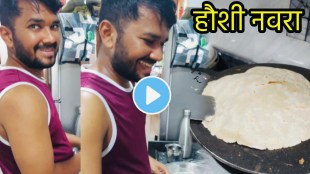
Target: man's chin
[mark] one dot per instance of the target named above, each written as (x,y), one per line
(43,66)
(143,76)
(50,63)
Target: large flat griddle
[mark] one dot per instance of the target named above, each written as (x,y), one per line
(282,161)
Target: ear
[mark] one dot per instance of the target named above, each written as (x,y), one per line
(107,34)
(6,35)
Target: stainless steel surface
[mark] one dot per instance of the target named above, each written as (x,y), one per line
(185,137)
(187,112)
(174,152)
(65,87)
(187,168)
(206,104)
(186,91)
(199,156)
(182,82)
(166,75)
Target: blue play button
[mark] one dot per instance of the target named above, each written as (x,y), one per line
(151,95)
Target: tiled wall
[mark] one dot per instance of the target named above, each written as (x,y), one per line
(304,35)
(268,47)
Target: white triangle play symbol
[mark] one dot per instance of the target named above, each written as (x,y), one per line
(151,95)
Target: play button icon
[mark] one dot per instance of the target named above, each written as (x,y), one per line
(151,95)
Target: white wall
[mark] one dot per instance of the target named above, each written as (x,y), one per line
(3,51)
(269,47)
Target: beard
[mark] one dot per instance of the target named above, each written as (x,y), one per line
(122,65)
(32,62)
(125,66)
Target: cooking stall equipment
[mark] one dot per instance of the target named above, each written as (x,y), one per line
(282,161)
(174,152)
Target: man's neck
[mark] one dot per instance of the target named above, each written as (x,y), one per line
(16,63)
(103,66)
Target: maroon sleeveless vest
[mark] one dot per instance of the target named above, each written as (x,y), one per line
(127,151)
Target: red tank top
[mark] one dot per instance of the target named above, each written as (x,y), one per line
(127,151)
(11,77)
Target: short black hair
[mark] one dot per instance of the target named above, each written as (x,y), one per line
(119,11)
(9,9)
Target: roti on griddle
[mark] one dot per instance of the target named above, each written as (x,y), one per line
(263,108)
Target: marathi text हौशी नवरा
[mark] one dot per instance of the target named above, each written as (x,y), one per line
(209,19)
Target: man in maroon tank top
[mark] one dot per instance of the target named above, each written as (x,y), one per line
(32,140)
(130,37)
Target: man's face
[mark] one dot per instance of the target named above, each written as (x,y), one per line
(36,36)
(139,46)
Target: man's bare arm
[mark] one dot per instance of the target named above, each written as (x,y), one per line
(24,111)
(94,127)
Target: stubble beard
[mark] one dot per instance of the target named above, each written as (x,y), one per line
(24,56)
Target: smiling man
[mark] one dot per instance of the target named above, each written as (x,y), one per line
(130,39)
(32,140)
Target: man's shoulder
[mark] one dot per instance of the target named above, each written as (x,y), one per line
(20,91)
(10,74)
(22,101)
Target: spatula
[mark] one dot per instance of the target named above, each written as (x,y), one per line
(200,105)
(206,106)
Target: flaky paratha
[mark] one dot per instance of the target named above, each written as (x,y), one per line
(263,108)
